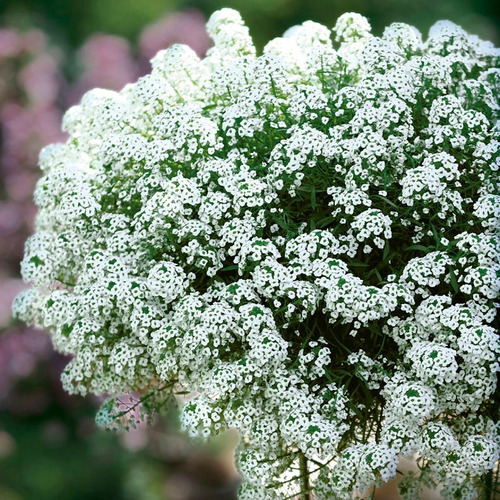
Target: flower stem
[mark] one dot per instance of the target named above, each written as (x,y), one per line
(305,493)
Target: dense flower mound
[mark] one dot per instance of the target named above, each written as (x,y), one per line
(306,239)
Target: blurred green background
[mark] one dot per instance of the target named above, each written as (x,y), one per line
(51,52)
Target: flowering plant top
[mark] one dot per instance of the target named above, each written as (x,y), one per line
(306,238)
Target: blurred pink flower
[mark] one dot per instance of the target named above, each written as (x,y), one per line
(41,80)
(25,130)
(31,85)
(20,351)
(10,43)
(107,63)
(180,27)
(34,41)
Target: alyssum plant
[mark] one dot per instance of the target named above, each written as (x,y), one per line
(306,239)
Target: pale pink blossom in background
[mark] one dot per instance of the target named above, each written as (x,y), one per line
(106,62)
(24,131)
(10,43)
(186,27)
(41,80)
(31,85)
(20,351)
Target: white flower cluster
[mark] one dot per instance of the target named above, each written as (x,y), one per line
(306,239)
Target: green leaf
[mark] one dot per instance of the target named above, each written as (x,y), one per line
(453,281)
(37,261)
(313,198)
(355,409)
(66,329)
(386,250)
(389,202)
(358,264)
(434,232)
(312,429)
(417,247)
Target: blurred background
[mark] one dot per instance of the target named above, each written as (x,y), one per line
(51,52)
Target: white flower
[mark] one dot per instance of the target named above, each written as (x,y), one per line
(306,240)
